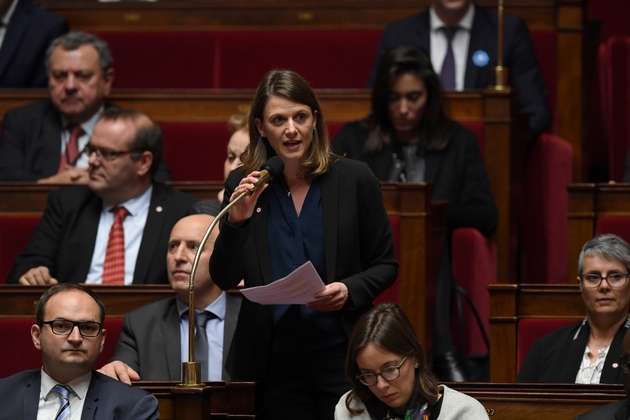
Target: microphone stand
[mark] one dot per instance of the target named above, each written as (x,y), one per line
(191,370)
(500,72)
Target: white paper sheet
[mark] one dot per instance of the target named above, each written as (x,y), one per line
(299,287)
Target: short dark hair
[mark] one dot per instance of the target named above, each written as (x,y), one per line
(608,245)
(435,125)
(73,40)
(65,287)
(289,85)
(147,138)
(388,327)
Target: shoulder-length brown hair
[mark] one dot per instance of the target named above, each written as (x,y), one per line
(388,327)
(435,125)
(290,85)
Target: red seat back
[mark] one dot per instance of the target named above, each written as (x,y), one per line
(21,354)
(15,232)
(393,293)
(614,68)
(546,45)
(620,226)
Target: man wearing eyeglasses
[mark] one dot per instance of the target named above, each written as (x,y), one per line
(69,334)
(588,351)
(43,141)
(115,229)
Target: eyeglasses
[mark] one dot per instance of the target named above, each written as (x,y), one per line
(390,373)
(108,155)
(614,280)
(65,327)
(624,363)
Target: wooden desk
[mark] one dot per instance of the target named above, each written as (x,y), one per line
(588,202)
(511,302)
(216,400)
(506,401)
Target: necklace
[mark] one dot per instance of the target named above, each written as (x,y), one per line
(287,188)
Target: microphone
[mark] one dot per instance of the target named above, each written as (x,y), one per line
(191,370)
(268,171)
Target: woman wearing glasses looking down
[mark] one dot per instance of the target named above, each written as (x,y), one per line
(387,368)
(587,352)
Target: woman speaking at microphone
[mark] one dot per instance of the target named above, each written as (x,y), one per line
(322,208)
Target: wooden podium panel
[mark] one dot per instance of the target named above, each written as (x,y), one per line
(510,303)
(506,401)
(588,202)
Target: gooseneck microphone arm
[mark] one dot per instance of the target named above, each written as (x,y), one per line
(191,370)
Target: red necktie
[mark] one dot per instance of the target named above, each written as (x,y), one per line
(72,148)
(114,266)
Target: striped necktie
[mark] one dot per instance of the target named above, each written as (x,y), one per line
(64,395)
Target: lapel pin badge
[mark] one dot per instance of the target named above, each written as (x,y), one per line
(480,58)
(258,209)
(159,209)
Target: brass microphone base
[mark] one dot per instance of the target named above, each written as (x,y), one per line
(500,76)
(191,375)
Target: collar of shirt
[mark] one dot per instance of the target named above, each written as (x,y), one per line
(134,206)
(88,129)
(7,16)
(87,125)
(217,307)
(79,385)
(466,22)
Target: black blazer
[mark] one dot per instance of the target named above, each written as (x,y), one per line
(30,144)
(150,341)
(106,399)
(359,252)
(613,411)
(458,174)
(65,236)
(556,357)
(519,56)
(23,52)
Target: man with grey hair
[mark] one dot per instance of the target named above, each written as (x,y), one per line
(587,352)
(44,141)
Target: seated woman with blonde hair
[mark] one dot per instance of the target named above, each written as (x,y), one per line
(390,378)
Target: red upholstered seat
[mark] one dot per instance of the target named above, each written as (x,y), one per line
(544,232)
(163,60)
(330,59)
(20,353)
(195,151)
(393,293)
(614,69)
(474,263)
(529,330)
(15,232)
(620,226)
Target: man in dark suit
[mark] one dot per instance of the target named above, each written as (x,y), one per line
(68,332)
(42,141)
(27,31)
(618,410)
(474,47)
(72,242)
(154,340)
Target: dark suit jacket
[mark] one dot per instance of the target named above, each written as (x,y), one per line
(519,57)
(106,399)
(613,411)
(556,357)
(30,144)
(458,174)
(65,236)
(150,341)
(359,252)
(23,52)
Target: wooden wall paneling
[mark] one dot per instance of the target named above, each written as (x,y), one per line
(510,303)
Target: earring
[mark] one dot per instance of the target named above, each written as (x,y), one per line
(417,365)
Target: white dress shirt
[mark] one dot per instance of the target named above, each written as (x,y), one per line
(49,401)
